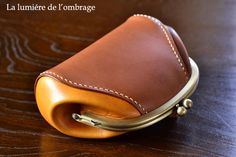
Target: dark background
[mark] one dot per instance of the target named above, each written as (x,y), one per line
(31,42)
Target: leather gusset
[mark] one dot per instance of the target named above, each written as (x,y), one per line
(57,101)
(181,48)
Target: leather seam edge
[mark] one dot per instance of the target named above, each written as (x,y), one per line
(156,21)
(96,88)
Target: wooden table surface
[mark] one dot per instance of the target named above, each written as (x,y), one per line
(31,42)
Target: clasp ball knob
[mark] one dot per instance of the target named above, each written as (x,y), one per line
(181,111)
(187,103)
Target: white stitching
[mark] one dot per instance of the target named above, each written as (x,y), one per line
(97,88)
(168,39)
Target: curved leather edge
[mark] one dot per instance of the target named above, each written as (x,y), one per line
(105,91)
(181,48)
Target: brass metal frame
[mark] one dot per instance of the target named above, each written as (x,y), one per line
(178,104)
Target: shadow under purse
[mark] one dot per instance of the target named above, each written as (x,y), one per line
(131,78)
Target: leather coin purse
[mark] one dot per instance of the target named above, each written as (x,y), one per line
(133,77)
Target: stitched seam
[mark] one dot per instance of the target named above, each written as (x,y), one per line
(169,41)
(96,88)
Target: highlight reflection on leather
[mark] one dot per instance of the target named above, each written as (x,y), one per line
(57,101)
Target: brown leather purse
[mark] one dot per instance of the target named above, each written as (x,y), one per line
(131,78)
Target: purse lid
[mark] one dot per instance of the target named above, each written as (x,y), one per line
(142,61)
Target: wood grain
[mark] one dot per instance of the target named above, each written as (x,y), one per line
(33,42)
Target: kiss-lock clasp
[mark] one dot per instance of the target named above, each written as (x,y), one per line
(183,106)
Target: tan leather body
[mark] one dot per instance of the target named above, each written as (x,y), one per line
(131,71)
